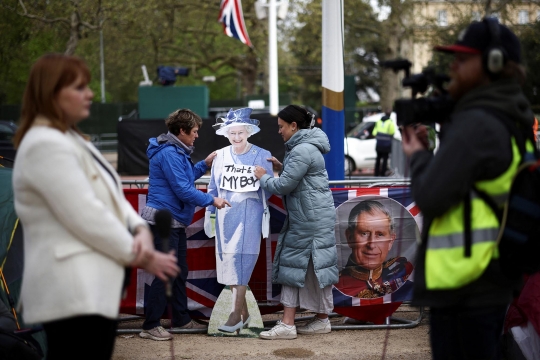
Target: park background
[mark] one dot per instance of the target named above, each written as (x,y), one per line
(186,33)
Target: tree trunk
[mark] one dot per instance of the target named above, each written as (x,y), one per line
(390,79)
(73,34)
(249,73)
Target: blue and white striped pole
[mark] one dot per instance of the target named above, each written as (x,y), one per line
(333,113)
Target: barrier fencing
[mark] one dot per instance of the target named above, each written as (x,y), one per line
(353,297)
(203,182)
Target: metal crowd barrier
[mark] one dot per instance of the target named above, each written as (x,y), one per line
(391,322)
(105,142)
(352,182)
(268,324)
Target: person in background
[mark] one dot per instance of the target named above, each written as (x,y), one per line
(79,230)
(384,133)
(305,261)
(457,272)
(172,187)
(238,228)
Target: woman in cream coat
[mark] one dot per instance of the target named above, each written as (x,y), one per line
(79,230)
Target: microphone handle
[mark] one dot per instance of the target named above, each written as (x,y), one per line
(163,221)
(168,283)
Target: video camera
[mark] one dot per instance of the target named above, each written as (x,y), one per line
(427,110)
(167,74)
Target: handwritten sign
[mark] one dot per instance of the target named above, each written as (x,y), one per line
(239,178)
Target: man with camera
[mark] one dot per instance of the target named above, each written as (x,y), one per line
(457,271)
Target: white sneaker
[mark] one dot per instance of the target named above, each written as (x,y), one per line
(279,332)
(315,326)
(158,333)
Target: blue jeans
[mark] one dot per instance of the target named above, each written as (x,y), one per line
(466,333)
(156,301)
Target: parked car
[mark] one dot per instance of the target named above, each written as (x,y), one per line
(7,151)
(360,144)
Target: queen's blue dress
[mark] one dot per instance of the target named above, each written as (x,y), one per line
(238,228)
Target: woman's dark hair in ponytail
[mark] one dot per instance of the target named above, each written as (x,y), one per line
(298,114)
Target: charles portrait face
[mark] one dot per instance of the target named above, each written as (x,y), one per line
(371,239)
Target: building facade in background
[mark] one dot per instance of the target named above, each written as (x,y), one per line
(432,15)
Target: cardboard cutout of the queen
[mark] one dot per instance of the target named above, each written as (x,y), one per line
(238,228)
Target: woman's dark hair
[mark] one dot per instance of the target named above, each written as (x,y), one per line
(298,114)
(183,119)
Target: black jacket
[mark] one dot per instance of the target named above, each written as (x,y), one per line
(475,145)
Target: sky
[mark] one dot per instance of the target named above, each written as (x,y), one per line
(383,11)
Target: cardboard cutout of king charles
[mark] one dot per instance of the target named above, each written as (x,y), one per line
(376,248)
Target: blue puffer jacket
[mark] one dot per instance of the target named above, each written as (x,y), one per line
(172,180)
(308,230)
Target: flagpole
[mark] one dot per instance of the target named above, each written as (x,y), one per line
(272,57)
(333,114)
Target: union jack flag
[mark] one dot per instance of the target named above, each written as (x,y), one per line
(232,18)
(203,288)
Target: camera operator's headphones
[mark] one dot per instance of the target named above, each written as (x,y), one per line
(494,57)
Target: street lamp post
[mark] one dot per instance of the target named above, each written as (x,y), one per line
(102,63)
(272,58)
(273,87)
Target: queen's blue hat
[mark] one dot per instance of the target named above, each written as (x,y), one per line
(235,118)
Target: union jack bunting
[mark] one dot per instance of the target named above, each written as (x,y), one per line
(232,18)
(203,288)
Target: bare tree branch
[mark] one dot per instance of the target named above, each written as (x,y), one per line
(363,27)
(487,8)
(35,17)
(74,22)
(502,5)
(90,26)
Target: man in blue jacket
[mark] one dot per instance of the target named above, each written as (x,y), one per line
(172,187)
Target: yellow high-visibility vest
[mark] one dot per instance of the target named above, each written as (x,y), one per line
(446,266)
(385,127)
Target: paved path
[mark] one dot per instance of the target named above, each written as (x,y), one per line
(343,344)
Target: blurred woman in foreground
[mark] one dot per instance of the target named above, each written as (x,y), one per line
(79,230)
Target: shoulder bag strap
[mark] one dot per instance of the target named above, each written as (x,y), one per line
(97,159)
